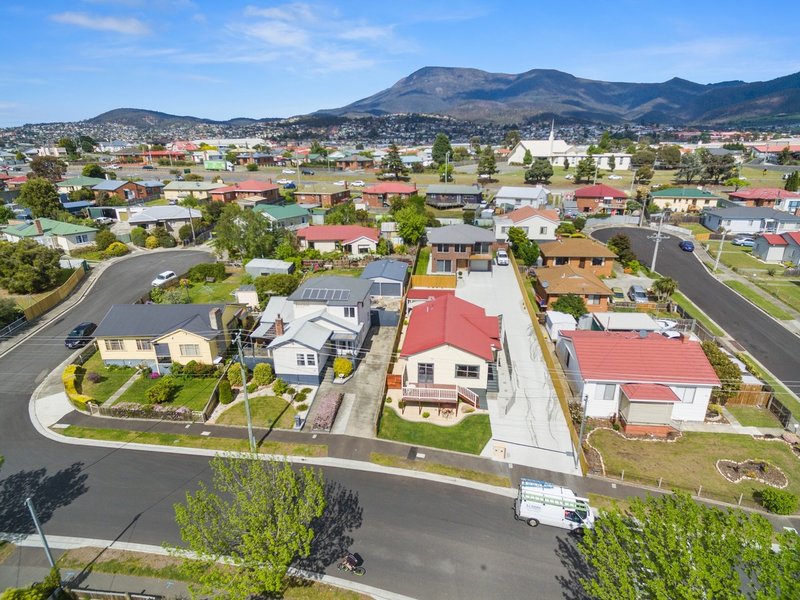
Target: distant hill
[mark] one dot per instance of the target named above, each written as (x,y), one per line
(475,95)
(144,119)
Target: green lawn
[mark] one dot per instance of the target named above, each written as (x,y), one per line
(690,462)
(738,257)
(471,435)
(752,416)
(422,261)
(695,227)
(785,290)
(194,392)
(267,411)
(217,292)
(696,313)
(110,379)
(388,460)
(757,299)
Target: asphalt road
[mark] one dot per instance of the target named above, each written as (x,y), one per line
(771,343)
(421,539)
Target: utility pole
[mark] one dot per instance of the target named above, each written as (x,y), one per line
(583,429)
(29,504)
(250,436)
(446,167)
(719,252)
(657,239)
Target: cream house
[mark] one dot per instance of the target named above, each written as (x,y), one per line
(52,233)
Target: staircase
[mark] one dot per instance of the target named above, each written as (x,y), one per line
(492,383)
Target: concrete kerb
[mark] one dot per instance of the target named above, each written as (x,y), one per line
(72,543)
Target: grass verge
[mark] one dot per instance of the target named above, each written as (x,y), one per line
(110,379)
(191,441)
(759,300)
(690,462)
(140,564)
(388,460)
(787,290)
(267,411)
(753,416)
(601,502)
(697,314)
(422,261)
(471,435)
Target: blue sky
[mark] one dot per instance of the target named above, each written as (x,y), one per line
(71,60)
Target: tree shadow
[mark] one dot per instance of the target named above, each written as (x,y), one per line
(343,514)
(575,566)
(48,493)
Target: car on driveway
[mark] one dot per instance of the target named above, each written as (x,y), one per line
(744,241)
(686,246)
(614,177)
(80,335)
(104,221)
(163,278)
(149,167)
(291,185)
(617,294)
(288,171)
(358,183)
(637,294)
(501,258)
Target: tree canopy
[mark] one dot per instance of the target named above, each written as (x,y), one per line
(245,234)
(572,304)
(539,172)
(48,167)
(487,163)
(27,267)
(689,168)
(93,170)
(411,224)
(40,196)
(585,169)
(524,249)
(620,244)
(441,147)
(392,163)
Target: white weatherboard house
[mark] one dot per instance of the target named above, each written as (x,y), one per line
(749,220)
(538,224)
(325,317)
(648,381)
(517,197)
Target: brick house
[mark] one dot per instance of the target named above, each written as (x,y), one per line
(579,253)
(553,282)
(457,247)
(764,198)
(324,195)
(354,162)
(601,198)
(244,189)
(126,191)
(380,195)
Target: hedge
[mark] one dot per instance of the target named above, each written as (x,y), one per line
(225,392)
(199,273)
(69,378)
(780,502)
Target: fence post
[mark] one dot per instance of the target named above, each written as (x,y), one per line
(659,482)
(740,499)
(699,491)
(622,477)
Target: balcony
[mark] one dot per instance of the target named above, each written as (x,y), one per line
(439,394)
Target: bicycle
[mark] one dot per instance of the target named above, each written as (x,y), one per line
(345,565)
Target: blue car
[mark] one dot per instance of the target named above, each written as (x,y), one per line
(686,246)
(290,186)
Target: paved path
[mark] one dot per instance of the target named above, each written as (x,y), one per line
(526,417)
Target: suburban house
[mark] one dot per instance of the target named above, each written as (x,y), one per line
(74,184)
(776,248)
(175,191)
(683,200)
(321,194)
(354,162)
(749,220)
(452,196)
(325,317)
(350,239)
(765,197)
(416,296)
(539,224)
(648,381)
(268,266)
(580,253)
(517,197)
(460,247)
(289,216)
(126,191)
(158,335)
(450,348)
(553,282)
(154,187)
(380,195)
(601,198)
(52,233)
(388,277)
(243,189)
(171,218)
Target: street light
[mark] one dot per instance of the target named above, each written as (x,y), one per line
(657,238)
(447,167)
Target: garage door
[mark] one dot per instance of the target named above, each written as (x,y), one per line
(479,265)
(385,289)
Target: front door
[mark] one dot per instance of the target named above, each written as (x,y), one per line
(425,373)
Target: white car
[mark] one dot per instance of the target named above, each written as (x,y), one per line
(288,171)
(340,182)
(283,181)
(570,176)
(113,167)
(667,323)
(163,278)
(614,177)
(501,258)
(358,183)
(104,220)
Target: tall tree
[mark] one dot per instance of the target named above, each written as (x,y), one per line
(643,174)
(525,250)
(792,182)
(392,163)
(669,156)
(487,163)
(411,224)
(93,170)
(341,214)
(620,244)
(259,514)
(48,167)
(785,156)
(27,267)
(540,171)
(527,158)
(512,138)
(717,168)
(690,167)
(585,169)
(245,234)
(475,145)
(612,163)
(69,145)
(441,147)
(40,196)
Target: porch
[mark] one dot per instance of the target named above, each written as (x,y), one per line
(444,396)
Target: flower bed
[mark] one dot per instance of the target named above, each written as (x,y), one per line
(326,410)
(757,470)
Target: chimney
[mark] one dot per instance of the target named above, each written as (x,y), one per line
(215,319)
(39,228)
(279,326)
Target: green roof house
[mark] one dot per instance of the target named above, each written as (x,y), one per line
(77,183)
(290,216)
(51,233)
(683,200)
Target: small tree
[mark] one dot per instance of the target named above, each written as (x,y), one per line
(644,174)
(252,167)
(585,169)
(571,304)
(138,236)
(40,196)
(540,171)
(664,287)
(524,249)
(441,147)
(392,163)
(620,244)
(487,163)
(793,182)
(411,224)
(263,374)
(342,367)
(163,391)
(528,158)
(103,239)
(93,170)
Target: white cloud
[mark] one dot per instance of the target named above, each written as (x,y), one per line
(367,32)
(297,11)
(122,25)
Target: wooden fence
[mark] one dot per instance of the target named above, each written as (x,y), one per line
(434,281)
(37,309)
(552,368)
(751,395)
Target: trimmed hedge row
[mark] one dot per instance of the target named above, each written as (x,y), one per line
(69,378)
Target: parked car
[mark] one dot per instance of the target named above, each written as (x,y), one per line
(637,294)
(686,246)
(570,176)
(283,181)
(80,335)
(358,183)
(306,172)
(340,182)
(104,220)
(617,294)
(614,177)
(113,167)
(288,171)
(163,278)
(501,258)
(290,185)
(744,241)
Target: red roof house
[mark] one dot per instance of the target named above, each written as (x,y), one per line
(778,247)
(247,189)
(380,194)
(601,198)
(768,197)
(647,380)
(350,239)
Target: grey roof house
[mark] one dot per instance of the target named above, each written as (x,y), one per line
(388,277)
(453,196)
(171,218)
(460,248)
(268,266)
(749,220)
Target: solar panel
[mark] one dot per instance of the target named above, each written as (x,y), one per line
(325,294)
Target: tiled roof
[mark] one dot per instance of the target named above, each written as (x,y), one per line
(649,391)
(527,212)
(575,248)
(390,188)
(773,239)
(763,194)
(569,280)
(455,322)
(337,233)
(600,190)
(627,357)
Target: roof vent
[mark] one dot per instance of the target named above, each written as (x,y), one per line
(643,334)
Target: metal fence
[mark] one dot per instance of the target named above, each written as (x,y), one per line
(11,328)
(108,595)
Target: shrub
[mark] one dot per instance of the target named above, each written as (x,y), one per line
(771,271)
(291,391)
(263,374)
(728,373)
(401,405)
(468,409)
(279,387)
(163,391)
(225,392)
(185,232)
(302,407)
(342,367)
(193,368)
(715,408)
(199,273)
(235,375)
(116,249)
(780,502)
(426,414)
(68,377)
(138,236)
(151,243)
(306,391)
(167,241)
(300,397)
(93,377)
(251,167)
(252,387)
(103,239)
(388,400)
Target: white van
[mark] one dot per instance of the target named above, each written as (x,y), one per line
(549,504)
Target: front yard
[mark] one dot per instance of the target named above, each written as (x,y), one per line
(752,416)
(110,380)
(217,291)
(193,393)
(759,300)
(690,462)
(470,435)
(269,412)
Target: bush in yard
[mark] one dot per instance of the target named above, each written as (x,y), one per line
(185,232)
(263,374)
(151,243)
(163,391)
(728,373)
(93,377)
(68,377)
(426,414)
(291,391)
(388,400)
(138,236)
(103,239)
(302,407)
(199,273)
(780,502)
(235,375)
(300,397)
(572,304)
(342,367)
(225,392)
(279,387)
(306,391)
(116,249)
(252,387)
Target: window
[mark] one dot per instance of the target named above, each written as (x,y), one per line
(189,349)
(115,344)
(592,299)
(686,394)
(606,391)
(504,229)
(363,249)
(143,345)
(301,360)
(561,260)
(543,230)
(444,266)
(441,247)
(350,311)
(468,371)
(81,239)
(598,262)
(461,248)
(311,360)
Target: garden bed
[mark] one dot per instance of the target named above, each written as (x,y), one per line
(756,470)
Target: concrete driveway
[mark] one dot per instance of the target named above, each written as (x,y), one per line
(526,416)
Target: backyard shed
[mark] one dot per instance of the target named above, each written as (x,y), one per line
(268,266)
(388,277)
